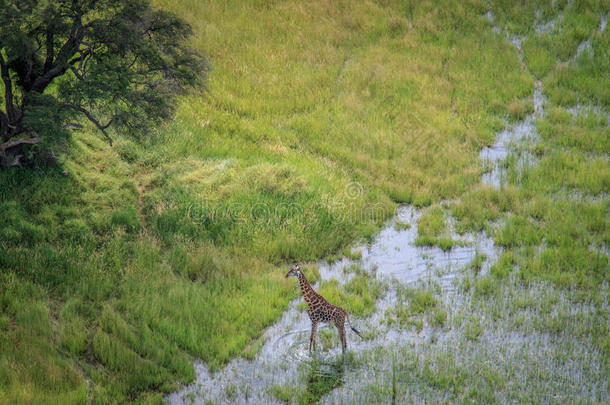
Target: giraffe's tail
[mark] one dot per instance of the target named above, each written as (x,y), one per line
(350,325)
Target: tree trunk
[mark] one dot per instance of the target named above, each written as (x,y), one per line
(11,152)
(9,129)
(10,121)
(3,127)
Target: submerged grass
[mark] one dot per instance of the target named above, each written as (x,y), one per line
(504,341)
(416,307)
(318,119)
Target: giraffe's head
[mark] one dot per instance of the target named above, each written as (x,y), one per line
(295,271)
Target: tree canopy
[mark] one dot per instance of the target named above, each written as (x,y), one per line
(117,63)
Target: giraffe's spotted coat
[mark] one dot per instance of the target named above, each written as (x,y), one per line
(320,310)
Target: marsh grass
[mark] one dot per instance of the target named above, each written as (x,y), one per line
(433,229)
(551,280)
(416,307)
(553,212)
(352,254)
(551,55)
(283,394)
(401,226)
(550,337)
(557,215)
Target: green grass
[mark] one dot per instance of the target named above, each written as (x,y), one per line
(352,254)
(432,230)
(358,296)
(321,382)
(481,206)
(318,120)
(283,394)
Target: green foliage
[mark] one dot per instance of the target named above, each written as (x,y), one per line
(112,62)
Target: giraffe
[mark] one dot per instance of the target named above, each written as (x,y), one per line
(320,310)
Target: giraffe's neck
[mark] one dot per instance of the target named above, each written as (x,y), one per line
(308,293)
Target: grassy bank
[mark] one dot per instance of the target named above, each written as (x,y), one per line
(319,118)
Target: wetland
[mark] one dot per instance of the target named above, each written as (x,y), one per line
(439,169)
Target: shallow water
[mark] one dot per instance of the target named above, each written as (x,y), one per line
(508,140)
(524,131)
(586,109)
(585,46)
(394,254)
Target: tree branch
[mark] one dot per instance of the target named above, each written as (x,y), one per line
(80,70)
(50,50)
(72,125)
(14,158)
(77,73)
(82,55)
(29,141)
(61,63)
(91,118)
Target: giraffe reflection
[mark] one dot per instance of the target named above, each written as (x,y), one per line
(323,378)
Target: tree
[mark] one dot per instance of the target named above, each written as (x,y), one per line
(117,63)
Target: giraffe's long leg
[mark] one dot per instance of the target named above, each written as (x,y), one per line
(341,328)
(312,338)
